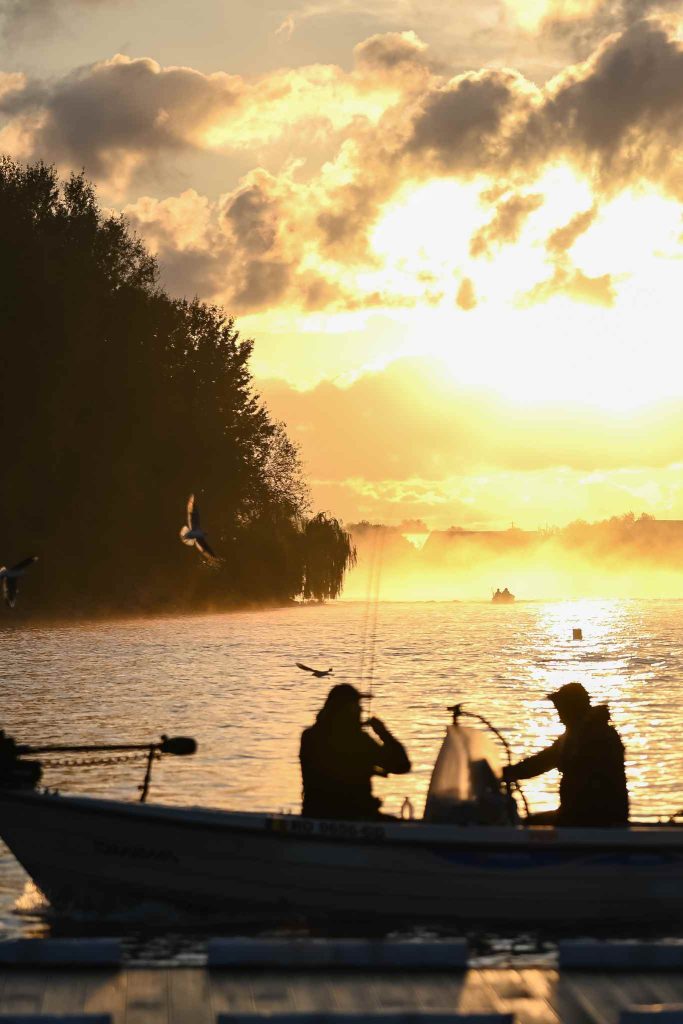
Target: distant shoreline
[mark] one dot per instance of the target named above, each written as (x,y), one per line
(28,621)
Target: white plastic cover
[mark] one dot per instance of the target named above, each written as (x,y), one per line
(466,771)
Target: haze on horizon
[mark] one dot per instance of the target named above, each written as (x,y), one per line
(623,557)
(454,232)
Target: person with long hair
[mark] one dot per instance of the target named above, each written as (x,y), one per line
(339,757)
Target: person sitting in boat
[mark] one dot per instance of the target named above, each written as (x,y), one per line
(590,756)
(338,759)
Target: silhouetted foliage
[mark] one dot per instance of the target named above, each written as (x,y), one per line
(328,553)
(118,402)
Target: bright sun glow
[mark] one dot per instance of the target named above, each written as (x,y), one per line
(594,323)
(530,14)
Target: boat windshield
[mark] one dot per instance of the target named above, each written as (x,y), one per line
(465,787)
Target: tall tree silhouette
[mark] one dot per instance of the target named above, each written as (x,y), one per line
(328,553)
(119,401)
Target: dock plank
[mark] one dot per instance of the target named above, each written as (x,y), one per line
(517,996)
(439,993)
(594,995)
(231,992)
(395,993)
(311,993)
(106,992)
(23,990)
(195,996)
(271,992)
(631,989)
(190,997)
(147,996)
(354,994)
(477,996)
(562,997)
(64,991)
(662,988)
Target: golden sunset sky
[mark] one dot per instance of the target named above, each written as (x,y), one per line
(453,229)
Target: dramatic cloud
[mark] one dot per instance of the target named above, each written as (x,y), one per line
(584,23)
(562,239)
(394,53)
(506,224)
(119,115)
(229,250)
(367,216)
(598,291)
(466,297)
(23,19)
(310,233)
(617,114)
(583,26)
(463,126)
(112,116)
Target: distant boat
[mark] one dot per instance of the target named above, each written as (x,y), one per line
(503,597)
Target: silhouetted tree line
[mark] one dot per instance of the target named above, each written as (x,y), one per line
(118,401)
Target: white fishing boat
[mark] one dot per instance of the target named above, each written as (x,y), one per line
(97,855)
(92,854)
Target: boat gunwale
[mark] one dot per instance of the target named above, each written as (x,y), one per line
(645,838)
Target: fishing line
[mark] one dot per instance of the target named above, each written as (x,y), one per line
(375,613)
(365,625)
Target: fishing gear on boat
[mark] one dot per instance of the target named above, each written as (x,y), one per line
(469,757)
(457,712)
(15,772)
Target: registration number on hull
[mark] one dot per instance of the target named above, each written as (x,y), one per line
(357,831)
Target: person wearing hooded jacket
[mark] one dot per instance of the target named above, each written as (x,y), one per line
(338,759)
(590,756)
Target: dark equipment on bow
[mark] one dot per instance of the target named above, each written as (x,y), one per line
(16,773)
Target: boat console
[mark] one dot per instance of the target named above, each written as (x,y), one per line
(467,786)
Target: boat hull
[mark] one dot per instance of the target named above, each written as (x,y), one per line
(98,855)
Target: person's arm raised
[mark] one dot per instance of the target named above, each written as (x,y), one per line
(391,755)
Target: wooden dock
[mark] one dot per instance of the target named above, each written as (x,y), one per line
(190,995)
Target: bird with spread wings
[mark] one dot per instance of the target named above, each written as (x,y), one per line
(193,535)
(10,579)
(319,673)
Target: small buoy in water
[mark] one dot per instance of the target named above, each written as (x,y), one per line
(577,634)
(407,811)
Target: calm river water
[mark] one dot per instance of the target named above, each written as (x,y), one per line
(231,682)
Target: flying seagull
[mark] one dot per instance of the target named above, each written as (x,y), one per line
(319,673)
(10,579)
(192,534)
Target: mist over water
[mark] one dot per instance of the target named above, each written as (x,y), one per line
(230,681)
(621,557)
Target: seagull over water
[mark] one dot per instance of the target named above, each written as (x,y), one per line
(319,673)
(10,579)
(192,534)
